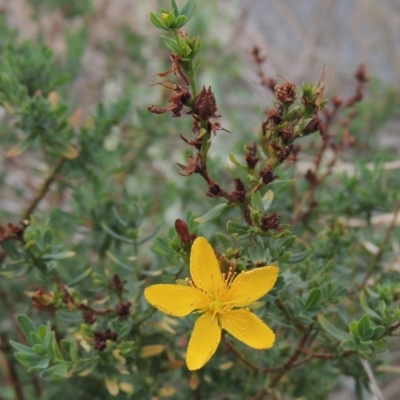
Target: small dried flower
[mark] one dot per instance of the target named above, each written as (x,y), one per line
(205,106)
(267,175)
(193,167)
(239,194)
(286,93)
(270,221)
(122,308)
(251,156)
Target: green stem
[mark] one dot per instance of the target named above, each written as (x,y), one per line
(190,73)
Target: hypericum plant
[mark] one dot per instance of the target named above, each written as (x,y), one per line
(282,269)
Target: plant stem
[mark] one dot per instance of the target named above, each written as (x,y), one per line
(44,189)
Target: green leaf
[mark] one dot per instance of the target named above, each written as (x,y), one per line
(236,162)
(371,313)
(42,364)
(116,235)
(331,329)
(233,227)
(175,8)
(188,8)
(171,44)
(213,213)
(158,22)
(27,326)
(59,256)
(257,202)
(28,360)
(267,199)
(80,277)
(313,298)
(224,241)
(56,372)
(113,258)
(17,272)
(364,328)
(124,331)
(378,332)
(21,347)
(38,348)
(181,21)
(73,350)
(298,257)
(54,349)
(10,249)
(353,328)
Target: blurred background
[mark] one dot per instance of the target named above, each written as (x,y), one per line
(111,50)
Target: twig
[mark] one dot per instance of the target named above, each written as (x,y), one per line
(44,189)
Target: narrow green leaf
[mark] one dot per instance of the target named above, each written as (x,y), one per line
(15,273)
(298,257)
(181,21)
(113,258)
(158,22)
(73,350)
(267,199)
(257,202)
(364,325)
(331,329)
(80,277)
(10,249)
(378,332)
(38,348)
(57,372)
(233,227)
(59,256)
(47,337)
(236,162)
(27,326)
(353,328)
(224,240)
(116,235)
(148,237)
(213,213)
(188,8)
(21,347)
(171,44)
(175,8)
(42,364)
(371,313)
(55,349)
(28,360)
(313,298)
(65,345)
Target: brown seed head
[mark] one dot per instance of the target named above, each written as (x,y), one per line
(286,93)
(205,106)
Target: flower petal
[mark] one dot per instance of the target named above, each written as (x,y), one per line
(203,342)
(176,300)
(204,267)
(249,286)
(248,328)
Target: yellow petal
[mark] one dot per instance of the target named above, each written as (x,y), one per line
(203,342)
(175,300)
(249,286)
(248,328)
(204,266)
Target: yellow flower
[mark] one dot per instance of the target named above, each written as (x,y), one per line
(220,299)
